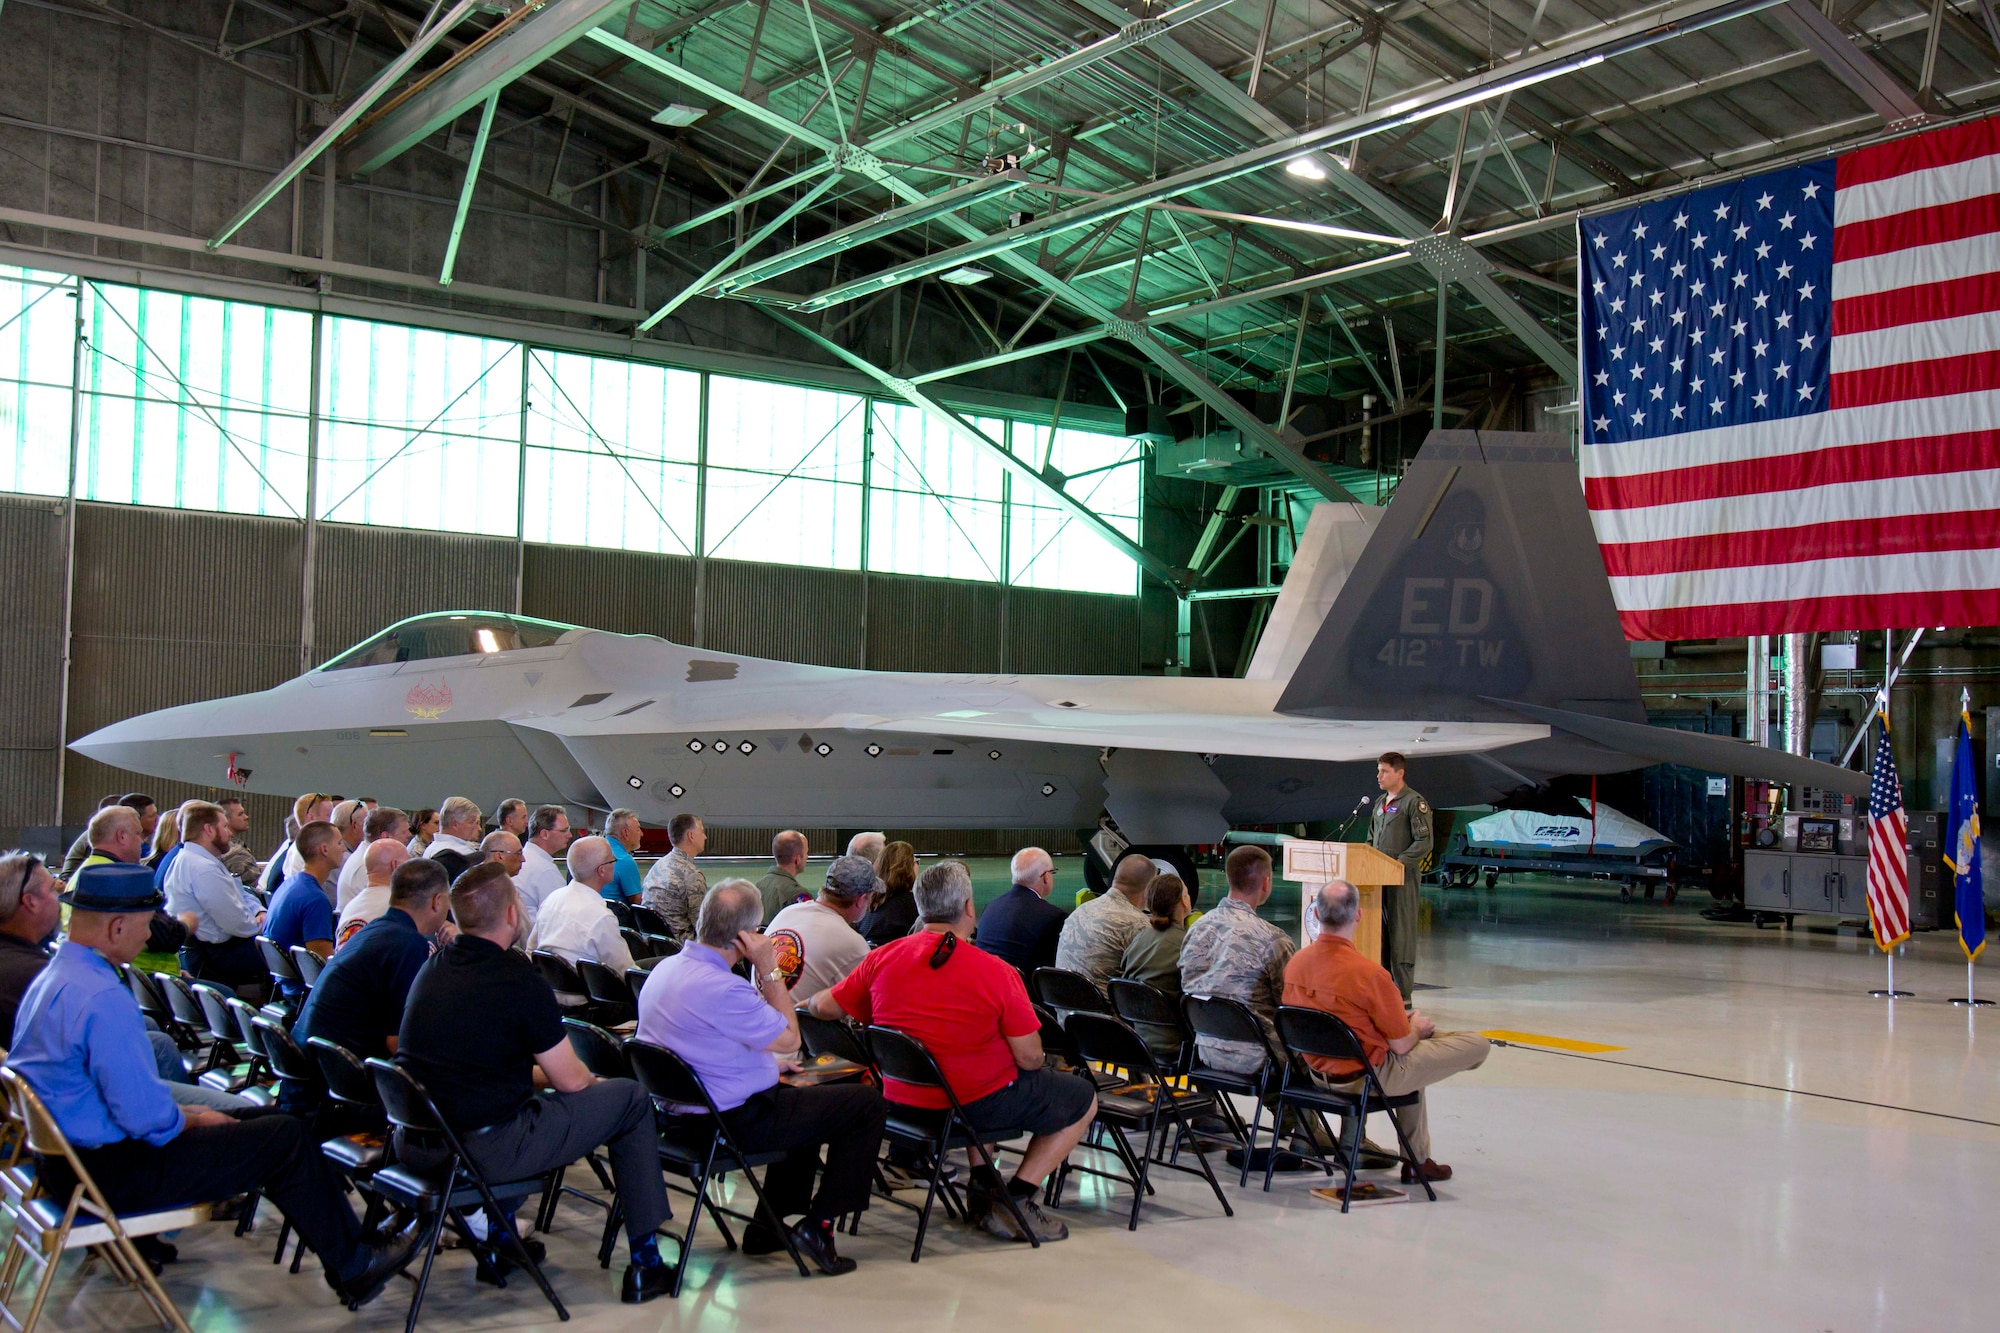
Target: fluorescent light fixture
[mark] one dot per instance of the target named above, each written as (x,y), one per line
(966,275)
(1305,168)
(678,113)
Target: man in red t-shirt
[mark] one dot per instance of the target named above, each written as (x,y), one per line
(972,1013)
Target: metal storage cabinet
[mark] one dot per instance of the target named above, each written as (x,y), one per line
(1810,882)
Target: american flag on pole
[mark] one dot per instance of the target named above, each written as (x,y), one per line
(1789,414)
(1888,851)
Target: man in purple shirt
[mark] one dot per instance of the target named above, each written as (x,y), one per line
(732,1033)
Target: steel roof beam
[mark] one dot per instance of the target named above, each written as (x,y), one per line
(1850,64)
(472,77)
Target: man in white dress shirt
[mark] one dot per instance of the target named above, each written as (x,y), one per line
(575,921)
(379,862)
(382,822)
(539,875)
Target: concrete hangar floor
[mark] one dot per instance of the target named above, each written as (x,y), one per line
(1668,1184)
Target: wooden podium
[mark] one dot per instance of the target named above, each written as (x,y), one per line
(1316,863)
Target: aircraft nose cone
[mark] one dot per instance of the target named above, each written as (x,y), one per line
(171,743)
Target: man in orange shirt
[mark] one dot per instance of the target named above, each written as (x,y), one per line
(1406,1049)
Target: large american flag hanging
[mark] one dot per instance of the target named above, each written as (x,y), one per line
(1888,851)
(1789,415)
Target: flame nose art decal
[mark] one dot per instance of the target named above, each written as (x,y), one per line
(429,702)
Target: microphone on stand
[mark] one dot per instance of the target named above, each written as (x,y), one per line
(1359,806)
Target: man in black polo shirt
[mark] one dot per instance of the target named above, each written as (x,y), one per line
(482,1028)
(358,1000)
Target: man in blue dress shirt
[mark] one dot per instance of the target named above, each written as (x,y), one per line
(223,918)
(80,1043)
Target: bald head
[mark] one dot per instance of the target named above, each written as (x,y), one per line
(1134,873)
(591,862)
(1034,869)
(383,857)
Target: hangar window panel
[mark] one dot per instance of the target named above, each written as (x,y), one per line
(421,428)
(612,453)
(37,346)
(936,497)
(193,403)
(1049,547)
(784,476)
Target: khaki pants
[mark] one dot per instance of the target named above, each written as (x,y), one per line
(1431,1060)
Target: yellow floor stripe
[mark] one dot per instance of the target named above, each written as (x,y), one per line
(1556,1043)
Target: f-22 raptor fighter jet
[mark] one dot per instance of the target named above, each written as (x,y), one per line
(1469,624)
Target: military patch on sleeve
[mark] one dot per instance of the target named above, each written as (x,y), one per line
(1423,809)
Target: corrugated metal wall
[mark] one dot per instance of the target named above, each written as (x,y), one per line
(171,607)
(628,592)
(32,554)
(174,606)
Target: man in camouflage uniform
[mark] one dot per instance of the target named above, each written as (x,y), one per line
(239,860)
(1094,937)
(1233,954)
(1400,827)
(675,886)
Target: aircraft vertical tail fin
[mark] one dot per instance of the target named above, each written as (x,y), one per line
(1482,582)
(1335,536)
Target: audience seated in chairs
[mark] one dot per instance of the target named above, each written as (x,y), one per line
(971,1011)
(30,915)
(1406,1049)
(1094,937)
(1022,926)
(377,825)
(81,1045)
(731,1034)
(539,876)
(380,861)
(358,1000)
(453,846)
(479,1023)
(576,923)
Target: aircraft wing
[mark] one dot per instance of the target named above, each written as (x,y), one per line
(1269,736)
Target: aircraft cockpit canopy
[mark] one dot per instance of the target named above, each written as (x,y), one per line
(450,634)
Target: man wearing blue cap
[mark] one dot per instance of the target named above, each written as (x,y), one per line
(81,1044)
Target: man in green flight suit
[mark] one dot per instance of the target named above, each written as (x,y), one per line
(1400,827)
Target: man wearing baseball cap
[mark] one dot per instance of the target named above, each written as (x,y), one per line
(81,1044)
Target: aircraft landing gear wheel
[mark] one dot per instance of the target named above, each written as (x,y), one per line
(1491,879)
(1624,893)
(1177,857)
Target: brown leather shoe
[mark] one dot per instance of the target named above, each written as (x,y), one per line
(1433,1171)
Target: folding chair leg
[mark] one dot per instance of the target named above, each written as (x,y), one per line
(1410,1157)
(424,1277)
(930,1197)
(545,1216)
(520,1255)
(284,1234)
(1006,1195)
(1145,1168)
(613,1216)
(1201,1156)
(1250,1145)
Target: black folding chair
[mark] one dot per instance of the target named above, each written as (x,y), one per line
(640,946)
(1224,1019)
(1158,1017)
(1316,1032)
(902,1057)
(621,911)
(833,1036)
(226,1063)
(1147,1103)
(186,1017)
(1068,992)
(635,979)
(352,1100)
(648,922)
(154,1002)
(613,997)
(697,1144)
(603,1056)
(562,979)
(278,963)
(307,964)
(302,1086)
(445,1193)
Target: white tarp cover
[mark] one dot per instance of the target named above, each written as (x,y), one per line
(1527,830)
